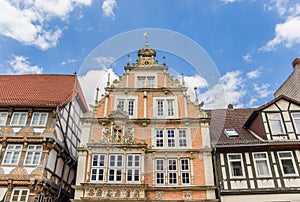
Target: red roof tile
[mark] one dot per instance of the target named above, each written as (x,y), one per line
(43,90)
(222,119)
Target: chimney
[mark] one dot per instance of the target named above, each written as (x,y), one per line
(230,107)
(296,63)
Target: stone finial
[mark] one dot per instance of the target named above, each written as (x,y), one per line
(108,79)
(196,94)
(97,94)
(182,80)
(128,60)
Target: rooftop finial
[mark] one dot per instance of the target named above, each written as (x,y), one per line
(97,94)
(146,36)
(182,80)
(108,79)
(196,93)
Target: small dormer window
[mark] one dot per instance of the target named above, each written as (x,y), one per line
(276,123)
(231,133)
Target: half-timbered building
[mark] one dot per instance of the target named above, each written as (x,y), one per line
(39,132)
(257,151)
(147,140)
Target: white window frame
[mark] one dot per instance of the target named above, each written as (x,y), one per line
(12,150)
(172,172)
(126,100)
(231,133)
(158,138)
(163,110)
(240,160)
(171,137)
(34,152)
(21,190)
(3,118)
(98,167)
(115,168)
(39,114)
(133,168)
(296,121)
(185,172)
(272,118)
(291,157)
(261,159)
(160,170)
(182,137)
(19,119)
(145,81)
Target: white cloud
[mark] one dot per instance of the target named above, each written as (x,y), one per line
(108,8)
(28,21)
(247,58)
(229,90)
(230,1)
(252,102)
(287,34)
(93,79)
(68,61)
(253,74)
(21,65)
(280,6)
(193,81)
(262,90)
(104,62)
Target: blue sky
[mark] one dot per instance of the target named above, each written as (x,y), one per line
(252,43)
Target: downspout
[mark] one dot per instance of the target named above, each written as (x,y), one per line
(216,176)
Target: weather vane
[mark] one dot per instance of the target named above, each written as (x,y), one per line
(146,36)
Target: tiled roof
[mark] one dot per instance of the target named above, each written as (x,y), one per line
(39,90)
(222,119)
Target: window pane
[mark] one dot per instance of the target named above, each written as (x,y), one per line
(35,119)
(276,123)
(171,138)
(3,118)
(121,104)
(160,107)
(170,108)
(288,167)
(296,120)
(130,107)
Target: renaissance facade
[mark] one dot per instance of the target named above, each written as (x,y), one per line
(146,141)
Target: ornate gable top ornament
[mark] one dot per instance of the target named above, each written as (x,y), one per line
(146,51)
